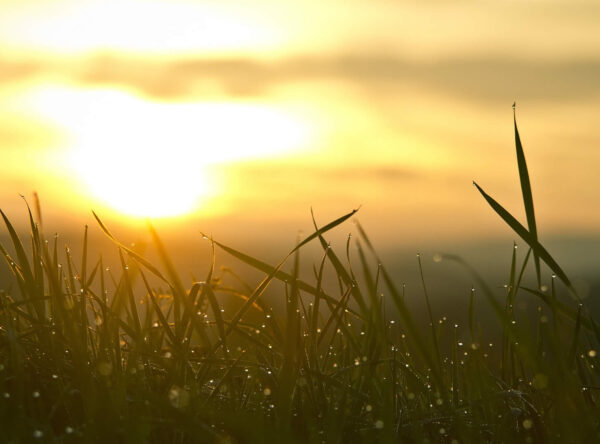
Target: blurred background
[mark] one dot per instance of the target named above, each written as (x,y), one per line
(235,118)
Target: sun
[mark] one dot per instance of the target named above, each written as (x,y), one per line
(153,159)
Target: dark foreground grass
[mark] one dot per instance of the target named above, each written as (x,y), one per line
(90,354)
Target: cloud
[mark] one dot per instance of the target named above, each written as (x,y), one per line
(11,71)
(476,78)
(284,177)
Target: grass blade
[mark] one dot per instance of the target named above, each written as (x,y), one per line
(526,236)
(527,196)
(129,251)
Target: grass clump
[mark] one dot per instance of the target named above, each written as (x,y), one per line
(135,354)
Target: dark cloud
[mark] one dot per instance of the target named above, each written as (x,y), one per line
(276,174)
(12,71)
(477,79)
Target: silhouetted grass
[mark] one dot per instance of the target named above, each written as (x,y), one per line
(136,354)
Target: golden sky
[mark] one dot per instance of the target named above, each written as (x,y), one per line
(252,112)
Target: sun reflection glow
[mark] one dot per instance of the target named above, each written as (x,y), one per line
(154,159)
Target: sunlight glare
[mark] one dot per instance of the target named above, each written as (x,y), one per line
(134,25)
(154,159)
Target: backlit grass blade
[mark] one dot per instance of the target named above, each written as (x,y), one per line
(83,290)
(338,306)
(38,208)
(15,269)
(129,251)
(558,306)
(429,313)
(526,236)
(195,301)
(130,296)
(575,342)
(21,255)
(216,308)
(325,228)
(36,259)
(314,317)
(527,196)
(179,293)
(330,380)
(472,315)
(277,273)
(289,368)
(511,280)
(343,274)
(410,325)
(161,318)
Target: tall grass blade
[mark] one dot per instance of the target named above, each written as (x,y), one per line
(346,276)
(430,314)
(527,196)
(21,255)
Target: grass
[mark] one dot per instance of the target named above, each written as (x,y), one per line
(135,354)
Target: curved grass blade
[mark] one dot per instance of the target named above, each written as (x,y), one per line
(278,273)
(527,237)
(324,229)
(130,252)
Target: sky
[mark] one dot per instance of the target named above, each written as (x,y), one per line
(239,117)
